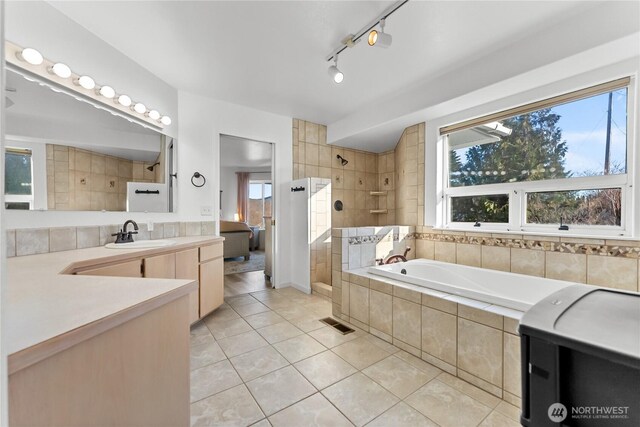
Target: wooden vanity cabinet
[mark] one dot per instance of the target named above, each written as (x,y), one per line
(160,266)
(188,267)
(211,278)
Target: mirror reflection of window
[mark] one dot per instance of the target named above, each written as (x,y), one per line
(18,179)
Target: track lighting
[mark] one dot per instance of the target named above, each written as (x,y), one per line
(374,38)
(336,74)
(31,56)
(61,70)
(86,82)
(379,38)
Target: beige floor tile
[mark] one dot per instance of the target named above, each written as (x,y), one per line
(307,323)
(509,410)
(249,309)
(228,328)
(402,415)
(325,369)
(232,407)
(240,300)
(470,390)
(279,389)
(222,313)
(262,423)
(213,379)
(496,419)
(312,411)
(298,348)
(258,362)
(330,338)
(397,376)
(200,334)
(205,354)
(292,311)
(291,292)
(279,332)
(447,406)
(388,347)
(425,367)
(262,295)
(360,353)
(261,320)
(238,344)
(359,398)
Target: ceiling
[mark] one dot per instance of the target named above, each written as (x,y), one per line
(244,153)
(271,55)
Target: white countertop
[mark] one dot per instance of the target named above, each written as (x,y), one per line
(42,304)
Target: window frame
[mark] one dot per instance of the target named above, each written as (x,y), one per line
(518,190)
(263,182)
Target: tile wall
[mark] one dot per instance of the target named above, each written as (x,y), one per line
(600,262)
(409,174)
(31,241)
(84,180)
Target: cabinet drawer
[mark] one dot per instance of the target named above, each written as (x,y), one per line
(210,252)
(125,269)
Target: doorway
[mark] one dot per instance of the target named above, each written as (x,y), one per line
(247,210)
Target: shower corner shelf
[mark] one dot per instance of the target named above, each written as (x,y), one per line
(377,193)
(378,211)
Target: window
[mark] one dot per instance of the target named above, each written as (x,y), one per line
(259,202)
(18,179)
(555,165)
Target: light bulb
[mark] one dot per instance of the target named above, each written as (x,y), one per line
(124,100)
(140,108)
(107,92)
(31,56)
(165,120)
(61,70)
(335,73)
(86,82)
(154,114)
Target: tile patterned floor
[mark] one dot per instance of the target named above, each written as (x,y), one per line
(265,359)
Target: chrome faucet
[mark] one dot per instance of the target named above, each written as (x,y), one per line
(124,236)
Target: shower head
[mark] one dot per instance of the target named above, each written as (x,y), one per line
(150,168)
(342,160)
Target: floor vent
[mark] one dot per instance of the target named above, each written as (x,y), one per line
(343,329)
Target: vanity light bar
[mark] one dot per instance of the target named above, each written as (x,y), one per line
(31,60)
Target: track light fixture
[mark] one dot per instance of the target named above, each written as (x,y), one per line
(379,38)
(334,72)
(373,36)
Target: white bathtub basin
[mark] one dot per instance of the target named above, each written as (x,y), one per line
(516,291)
(141,244)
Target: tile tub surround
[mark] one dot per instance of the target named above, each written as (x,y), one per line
(320,377)
(601,262)
(472,340)
(31,241)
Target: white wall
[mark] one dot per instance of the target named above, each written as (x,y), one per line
(202,121)
(229,187)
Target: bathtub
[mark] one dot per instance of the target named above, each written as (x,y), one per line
(516,291)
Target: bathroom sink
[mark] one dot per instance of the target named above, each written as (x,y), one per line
(141,244)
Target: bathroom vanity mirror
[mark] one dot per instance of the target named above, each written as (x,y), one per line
(64,153)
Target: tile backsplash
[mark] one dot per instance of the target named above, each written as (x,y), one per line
(31,241)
